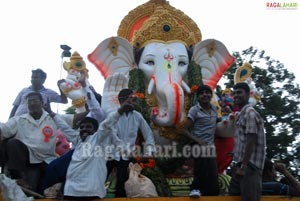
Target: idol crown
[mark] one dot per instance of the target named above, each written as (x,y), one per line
(76,63)
(162,27)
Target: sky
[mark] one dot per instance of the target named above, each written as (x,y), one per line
(33,30)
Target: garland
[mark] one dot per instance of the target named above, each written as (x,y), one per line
(194,81)
(136,83)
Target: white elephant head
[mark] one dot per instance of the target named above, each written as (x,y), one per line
(165,68)
(162,49)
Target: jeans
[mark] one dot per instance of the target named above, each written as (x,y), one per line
(248,186)
(57,170)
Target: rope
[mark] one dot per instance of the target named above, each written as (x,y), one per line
(60,76)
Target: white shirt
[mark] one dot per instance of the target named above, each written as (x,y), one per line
(87,171)
(127,130)
(38,135)
(96,111)
(47,94)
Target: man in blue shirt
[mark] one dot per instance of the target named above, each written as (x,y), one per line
(200,127)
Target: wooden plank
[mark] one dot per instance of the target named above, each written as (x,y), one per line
(203,198)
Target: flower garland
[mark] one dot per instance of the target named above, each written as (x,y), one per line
(194,80)
(136,83)
(140,95)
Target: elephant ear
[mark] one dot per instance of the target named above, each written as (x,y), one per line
(214,59)
(113,55)
(112,86)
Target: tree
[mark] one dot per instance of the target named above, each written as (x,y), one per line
(279,104)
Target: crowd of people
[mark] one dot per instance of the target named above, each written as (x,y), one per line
(29,139)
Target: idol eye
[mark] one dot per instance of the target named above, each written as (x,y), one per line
(150,62)
(181,63)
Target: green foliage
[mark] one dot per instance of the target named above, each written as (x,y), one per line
(136,83)
(70,110)
(279,104)
(169,164)
(195,79)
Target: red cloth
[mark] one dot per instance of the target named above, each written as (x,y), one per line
(224,146)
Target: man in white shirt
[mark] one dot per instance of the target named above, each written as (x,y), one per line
(57,169)
(87,171)
(126,130)
(29,142)
(38,78)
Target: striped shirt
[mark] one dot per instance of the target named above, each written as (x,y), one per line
(248,122)
(204,126)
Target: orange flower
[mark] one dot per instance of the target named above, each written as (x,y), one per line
(149,164)
(140,95)
(194,88)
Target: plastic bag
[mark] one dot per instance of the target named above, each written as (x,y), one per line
(11,191)
(139,185)
(53,191)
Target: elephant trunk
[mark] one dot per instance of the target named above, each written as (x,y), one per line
(170,98)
